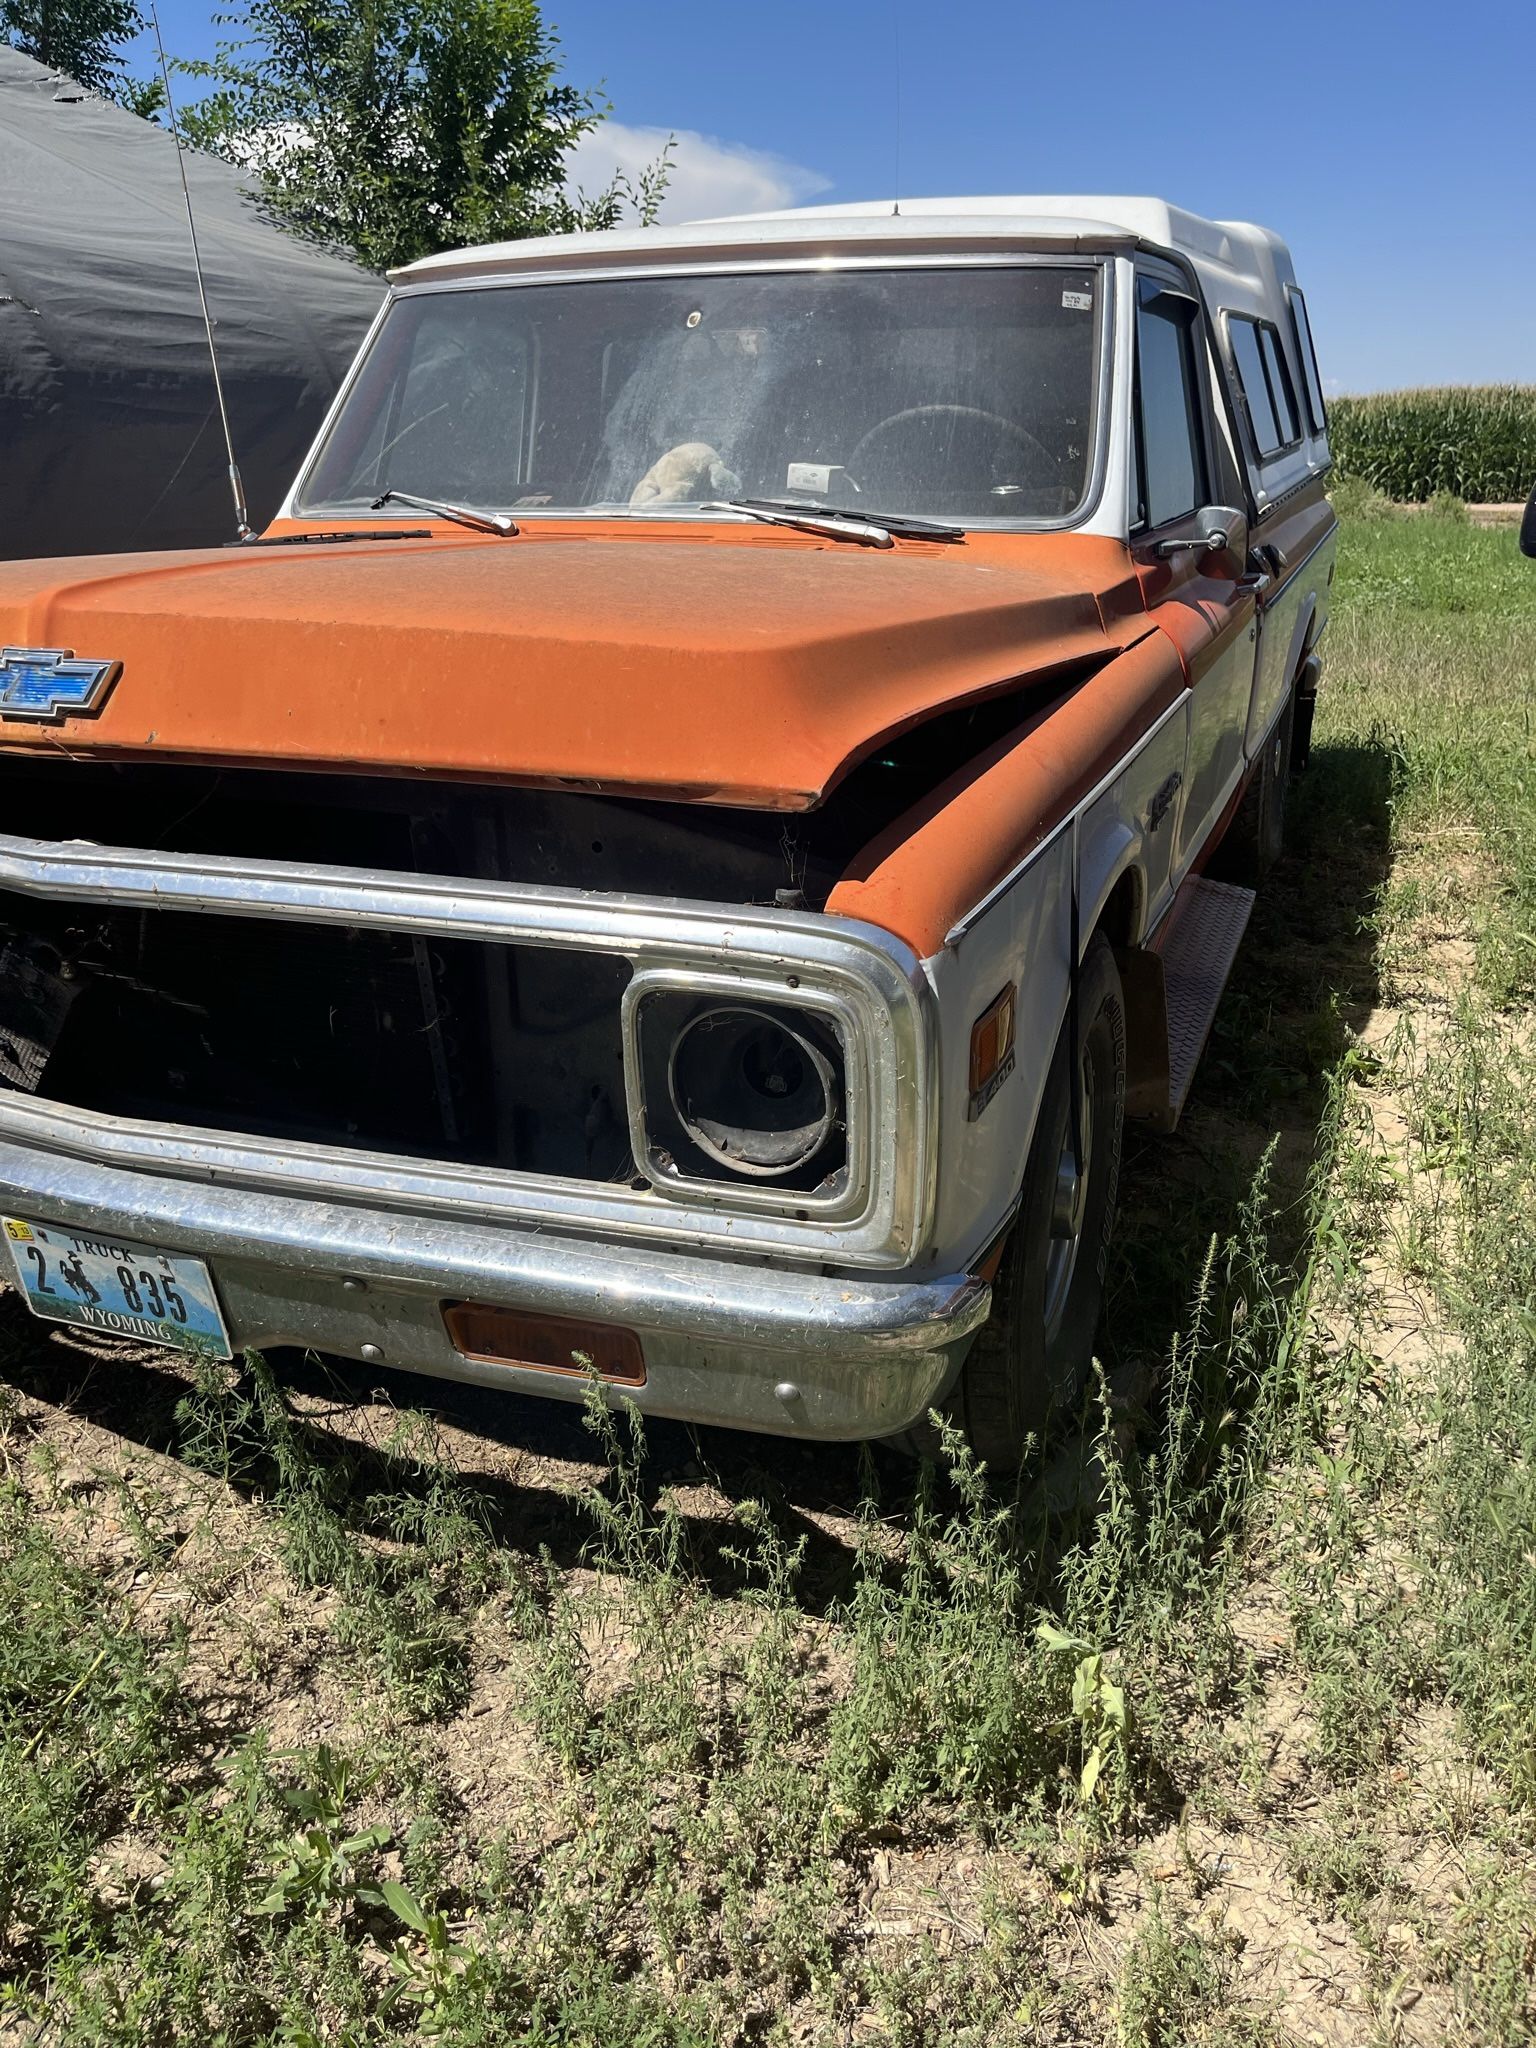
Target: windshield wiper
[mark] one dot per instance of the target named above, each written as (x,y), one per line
(872,529)
(901,524)
(466,515)
(315,540)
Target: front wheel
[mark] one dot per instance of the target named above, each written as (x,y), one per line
(1031,1359)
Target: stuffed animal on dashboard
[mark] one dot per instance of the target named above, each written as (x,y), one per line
(686,475)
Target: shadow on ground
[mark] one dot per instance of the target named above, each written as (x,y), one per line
(1304,982)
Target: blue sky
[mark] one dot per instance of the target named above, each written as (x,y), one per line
(1391,144)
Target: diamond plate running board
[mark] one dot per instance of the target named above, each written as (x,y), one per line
(1198,943)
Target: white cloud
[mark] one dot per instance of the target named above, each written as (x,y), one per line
(708,176)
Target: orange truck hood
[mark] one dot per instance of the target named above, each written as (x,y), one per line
(740,666)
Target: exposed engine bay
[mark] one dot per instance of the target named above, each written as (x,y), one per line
(479,1052)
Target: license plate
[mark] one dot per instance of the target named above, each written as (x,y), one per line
(128,1290)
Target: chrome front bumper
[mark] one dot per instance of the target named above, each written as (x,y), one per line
(743,1345)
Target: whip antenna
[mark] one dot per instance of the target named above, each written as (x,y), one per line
(242,519)
(896,67)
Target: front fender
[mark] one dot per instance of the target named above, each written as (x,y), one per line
(933,872)
(979,881)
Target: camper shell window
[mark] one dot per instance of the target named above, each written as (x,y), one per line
(1306,350)
(1264,381)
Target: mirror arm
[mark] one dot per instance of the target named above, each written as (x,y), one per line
(1223,529)
(1195,543)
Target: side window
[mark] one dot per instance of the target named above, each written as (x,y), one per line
(1168,440)
(1265,376)
(1250,374)
(1317,412)
(1281,392)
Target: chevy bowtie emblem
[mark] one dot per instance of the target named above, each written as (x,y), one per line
(46,685)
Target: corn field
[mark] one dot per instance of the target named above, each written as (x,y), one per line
(1477,441)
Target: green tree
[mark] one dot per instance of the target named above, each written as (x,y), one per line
(80,37)
(395,128)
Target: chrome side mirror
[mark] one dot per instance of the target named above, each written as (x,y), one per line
(1219,529)
(1528,527)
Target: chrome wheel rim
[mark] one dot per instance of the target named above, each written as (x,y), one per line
(1069,1203)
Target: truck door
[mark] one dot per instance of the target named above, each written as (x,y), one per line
(1196,593)
(1284,541)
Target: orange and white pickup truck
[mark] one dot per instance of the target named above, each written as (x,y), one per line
(737,765)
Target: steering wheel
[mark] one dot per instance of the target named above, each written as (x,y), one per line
(1010,429)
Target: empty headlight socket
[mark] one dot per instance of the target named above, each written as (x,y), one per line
(742,1092)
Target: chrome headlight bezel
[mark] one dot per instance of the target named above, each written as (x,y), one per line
(883,1194)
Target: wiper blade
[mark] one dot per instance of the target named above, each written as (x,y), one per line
(465,515)
(897,524)
(315,540)
(834,525)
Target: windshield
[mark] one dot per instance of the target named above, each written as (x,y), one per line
(960,394)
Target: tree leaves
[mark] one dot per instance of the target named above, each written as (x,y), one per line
(82,38)
(396,128)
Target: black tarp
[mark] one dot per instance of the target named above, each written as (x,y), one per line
(109,433)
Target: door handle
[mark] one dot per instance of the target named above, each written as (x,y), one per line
(1256,583)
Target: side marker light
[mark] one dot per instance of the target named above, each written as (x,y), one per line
(991,1050)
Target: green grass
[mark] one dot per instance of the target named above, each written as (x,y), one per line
(1431,658)
(1476,442)
(310,1733)
(1176,1991)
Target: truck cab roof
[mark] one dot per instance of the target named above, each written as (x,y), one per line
(1240,265)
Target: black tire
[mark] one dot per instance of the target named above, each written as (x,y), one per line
(1031,1360)
(1255,839)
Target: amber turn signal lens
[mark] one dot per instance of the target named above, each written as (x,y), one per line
(992,1040)
(510,1336)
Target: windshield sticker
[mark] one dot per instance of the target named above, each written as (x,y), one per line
(1077,302)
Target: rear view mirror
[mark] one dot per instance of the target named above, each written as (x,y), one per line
(1225,530)
(1218,530)
(1528,527)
